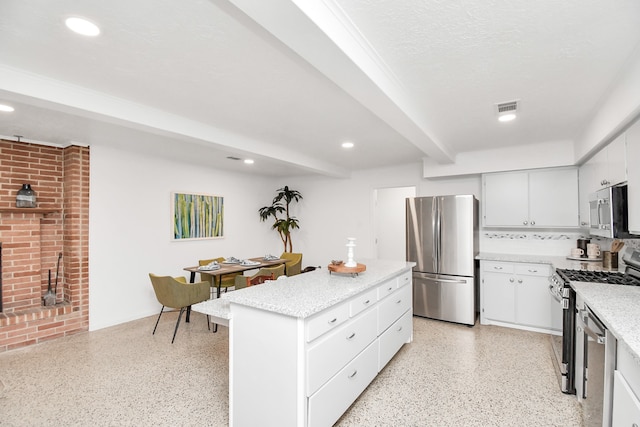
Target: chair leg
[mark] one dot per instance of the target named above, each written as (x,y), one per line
(178,323)
(215,328)
(208,326)
(154,328)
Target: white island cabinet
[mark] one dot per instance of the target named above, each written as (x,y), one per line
(302,349)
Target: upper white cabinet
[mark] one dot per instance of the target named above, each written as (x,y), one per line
(633,177)
(542,198)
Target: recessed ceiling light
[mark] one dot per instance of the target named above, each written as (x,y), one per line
(82,26)
(6,108)
(506,117)
(248,161)
(347,144)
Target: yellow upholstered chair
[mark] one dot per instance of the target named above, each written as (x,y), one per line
(228,280)
(293,264)
(274,272)
(175,292)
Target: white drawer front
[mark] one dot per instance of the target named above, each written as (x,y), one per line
(334,398)
(393,307)
(326,320)
(404,279)
(498,267)
(361,302)
(334,350)
(394,337)
(387,288)
(533,269)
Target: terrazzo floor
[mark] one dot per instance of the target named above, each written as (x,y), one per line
(451,375)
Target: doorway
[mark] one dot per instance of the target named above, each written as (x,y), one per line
(389,222)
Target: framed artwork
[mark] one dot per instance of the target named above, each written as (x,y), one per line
(197,216)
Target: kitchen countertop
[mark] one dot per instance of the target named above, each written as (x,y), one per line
(617,306)
(306,294)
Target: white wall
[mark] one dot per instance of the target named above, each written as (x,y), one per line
(130,227)
(335,209)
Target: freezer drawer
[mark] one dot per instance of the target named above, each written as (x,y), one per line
(450,298)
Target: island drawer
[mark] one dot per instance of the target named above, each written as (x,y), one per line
(393,307)
(334,398)
(394,337)
(362,302)
(326,320)
(335,349)
(498,267)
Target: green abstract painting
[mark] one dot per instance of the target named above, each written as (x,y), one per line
(197,216)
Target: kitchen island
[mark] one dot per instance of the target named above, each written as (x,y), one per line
(303,348)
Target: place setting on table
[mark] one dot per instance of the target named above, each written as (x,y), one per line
(232,265)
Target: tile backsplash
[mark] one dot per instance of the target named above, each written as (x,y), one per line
(541,243)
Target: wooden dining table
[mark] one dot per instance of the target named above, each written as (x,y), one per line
(231,269)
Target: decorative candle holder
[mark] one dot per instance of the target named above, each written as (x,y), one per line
(350,245)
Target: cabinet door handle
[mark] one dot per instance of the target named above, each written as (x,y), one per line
(350,337)
(389,289)
(334,320)
(399,301)
(353,374)
(400,329)
(367,302)
(532,271)
(497,267)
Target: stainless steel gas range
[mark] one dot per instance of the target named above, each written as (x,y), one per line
(564,348)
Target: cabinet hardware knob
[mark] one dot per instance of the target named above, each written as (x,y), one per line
(400,329)
(334,320)
(350,337)
(511,280)
(367,302)
(519,280)
(399,301)
(533,223)
(353,374)
(389,289)
(524,223)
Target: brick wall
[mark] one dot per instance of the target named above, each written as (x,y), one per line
(33,239)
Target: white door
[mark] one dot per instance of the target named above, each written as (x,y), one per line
(389,222)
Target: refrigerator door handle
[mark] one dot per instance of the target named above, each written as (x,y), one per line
(436,234)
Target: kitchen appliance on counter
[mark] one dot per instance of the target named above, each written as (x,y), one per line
(564,347)
(442,239)
(608,213)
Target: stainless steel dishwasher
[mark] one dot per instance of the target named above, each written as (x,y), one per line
(595,363)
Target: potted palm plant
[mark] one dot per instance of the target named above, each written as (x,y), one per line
(279,210)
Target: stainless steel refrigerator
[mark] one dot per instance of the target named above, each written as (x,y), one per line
(442,239)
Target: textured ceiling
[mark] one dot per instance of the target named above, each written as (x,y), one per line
(282,83)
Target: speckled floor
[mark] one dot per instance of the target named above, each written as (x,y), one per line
(451,375)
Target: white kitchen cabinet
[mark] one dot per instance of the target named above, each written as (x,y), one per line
(546,198)
(517,295)
(626,386)
(633,177)
(306,371)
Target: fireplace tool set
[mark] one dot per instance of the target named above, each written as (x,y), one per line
(50,297)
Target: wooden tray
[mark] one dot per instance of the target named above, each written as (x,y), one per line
(359,268)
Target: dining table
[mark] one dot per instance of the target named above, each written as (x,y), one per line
(232,268)
(229,268)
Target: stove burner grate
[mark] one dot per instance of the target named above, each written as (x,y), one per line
(599,277)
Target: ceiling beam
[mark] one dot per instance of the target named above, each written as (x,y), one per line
(321,34)
(82,102)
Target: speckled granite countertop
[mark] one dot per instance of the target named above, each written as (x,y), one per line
(306,294)
(617,306)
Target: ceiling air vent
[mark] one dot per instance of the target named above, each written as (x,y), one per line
(506,107)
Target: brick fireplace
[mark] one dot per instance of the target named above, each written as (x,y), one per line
(32,240)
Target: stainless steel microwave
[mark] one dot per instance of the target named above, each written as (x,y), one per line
(608,215)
